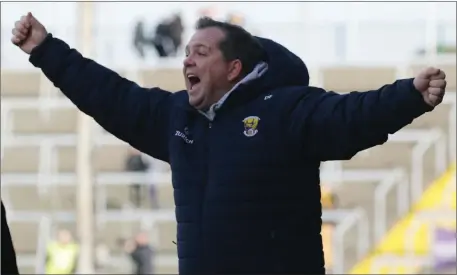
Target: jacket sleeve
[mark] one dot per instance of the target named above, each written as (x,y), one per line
(8,264)
(334,126)
(133,114)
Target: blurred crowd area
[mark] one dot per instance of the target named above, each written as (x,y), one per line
(128,35)
(389,210)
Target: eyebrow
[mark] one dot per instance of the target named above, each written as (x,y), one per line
(198,46)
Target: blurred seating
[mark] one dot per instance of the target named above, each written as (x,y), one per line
(327,241)
(348,79)
(328,198)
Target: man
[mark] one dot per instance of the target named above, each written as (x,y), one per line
(141,253)
(168,36)
(139,39)
(62,254)
(136,164)
(245,141)
(8,264)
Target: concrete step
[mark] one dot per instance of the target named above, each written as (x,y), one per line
(25,159)
(120,195)
(167,235)
(353,78)
(20,83)
(24,235)
(28,83)
(360,78)
(169,269)
(32,121)
(63,197)
(167,79)
(51,198)
(26,269)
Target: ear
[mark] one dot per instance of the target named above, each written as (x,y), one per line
(234,70)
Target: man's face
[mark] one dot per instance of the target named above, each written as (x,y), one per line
(64,237)
(208,76)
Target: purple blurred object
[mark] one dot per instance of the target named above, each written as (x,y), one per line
(444,248)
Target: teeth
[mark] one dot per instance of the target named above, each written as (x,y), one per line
(190,75)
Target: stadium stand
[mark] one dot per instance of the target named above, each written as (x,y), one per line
(397,154)
(36,124)
(411,236)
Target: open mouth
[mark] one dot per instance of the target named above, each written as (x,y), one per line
(193,80)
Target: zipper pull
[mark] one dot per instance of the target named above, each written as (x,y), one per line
(210,125)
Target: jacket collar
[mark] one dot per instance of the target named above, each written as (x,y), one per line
(258,71)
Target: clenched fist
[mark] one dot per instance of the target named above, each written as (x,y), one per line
(28,33)
(431,83)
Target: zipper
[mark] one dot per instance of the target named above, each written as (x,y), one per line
(208,144)
(205,183)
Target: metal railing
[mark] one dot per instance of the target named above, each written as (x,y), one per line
(397,178)
(44,236)
(451,98)
(355,220)
(424,140)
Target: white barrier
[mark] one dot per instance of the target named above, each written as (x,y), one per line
(357,218)
(397,178)
(44,236)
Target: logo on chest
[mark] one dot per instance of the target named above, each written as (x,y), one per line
(184,136)
(250,126)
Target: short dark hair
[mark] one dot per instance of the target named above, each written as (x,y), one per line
(237,44)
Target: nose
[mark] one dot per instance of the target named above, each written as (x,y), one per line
(188,62)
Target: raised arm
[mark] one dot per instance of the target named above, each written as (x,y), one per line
(136,115)
(338,126)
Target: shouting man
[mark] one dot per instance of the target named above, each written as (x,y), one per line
(245,139)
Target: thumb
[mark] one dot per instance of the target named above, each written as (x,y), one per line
(428,73)
(31,19)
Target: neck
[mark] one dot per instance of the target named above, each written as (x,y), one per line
(217,96)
